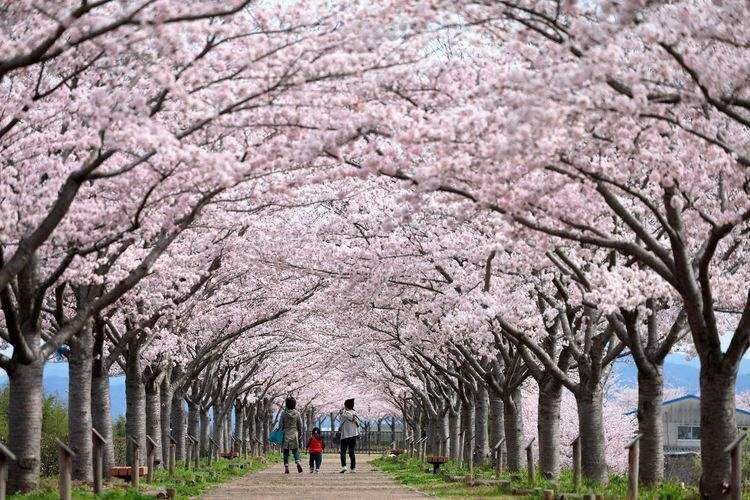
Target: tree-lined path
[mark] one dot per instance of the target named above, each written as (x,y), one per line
(460,213)
(367,483)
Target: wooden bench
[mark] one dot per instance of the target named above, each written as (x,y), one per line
(230,454)
(436,463)
(126,472)
(397,452)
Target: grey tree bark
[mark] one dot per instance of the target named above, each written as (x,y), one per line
(218,430)
(512,411)
(481,415)
(194,424)
(153,415)
(135,401)
(454,430)
(25,424)
(205,428)
(165,413)
(650,424)
(80,365)
(178,415)
(468,414)
(591,425)
(718,427)
(497,421)
(101,414)
(548,425)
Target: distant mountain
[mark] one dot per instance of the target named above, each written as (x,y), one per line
(678,373)
(675,375)
(56,382)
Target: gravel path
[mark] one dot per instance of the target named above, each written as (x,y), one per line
(367,483)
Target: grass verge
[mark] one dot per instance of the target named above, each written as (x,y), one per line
(187,483)
(416,474)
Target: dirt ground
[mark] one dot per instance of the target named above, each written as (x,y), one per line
(367,483)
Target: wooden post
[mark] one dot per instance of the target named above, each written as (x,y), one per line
(5,456)
(97,449)
(576,444)
(498,449)
(172,455)
(633,451)
(735,479)
(530,461)
(548,495)
(135,477)
(150,458)
(66,470)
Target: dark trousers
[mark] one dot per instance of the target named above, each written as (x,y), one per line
(286,455)
(348,443)
(315,460)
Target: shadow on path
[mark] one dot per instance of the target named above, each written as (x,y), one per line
(367,483)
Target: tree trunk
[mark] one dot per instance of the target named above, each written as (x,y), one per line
(101,415)
(218,424)
(239,425)
(205,431)
(25,424)
(165,401)
(650,425)
(445,432)
(468,414)
(153,417)
(178,420)
(227,435)
(454,426)
(548,426)
(135,402)
(591,428)
(433,438)
(481,445)
(497,422)
(194,426)
(512,411)
(718,427)
(80,362)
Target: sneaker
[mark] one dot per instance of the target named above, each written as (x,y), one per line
(299,467)
(343,469)
(312,470)
(286,469)
(317,471)
(353,471)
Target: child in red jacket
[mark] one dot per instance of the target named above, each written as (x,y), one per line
(315,447)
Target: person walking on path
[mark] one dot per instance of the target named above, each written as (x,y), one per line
(291,424)
(315,446)
(349,432)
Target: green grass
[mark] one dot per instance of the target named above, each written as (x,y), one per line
(414,473)
(188,483)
